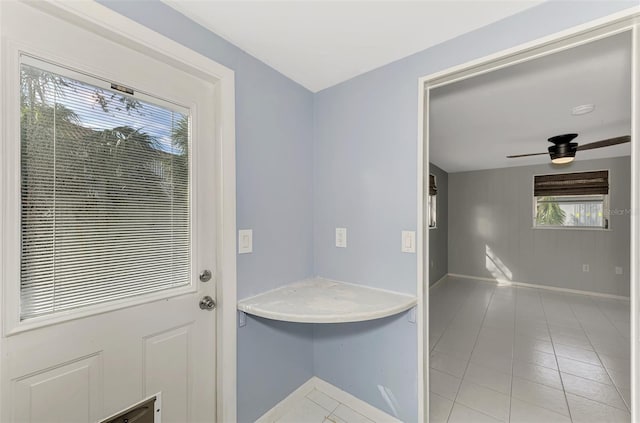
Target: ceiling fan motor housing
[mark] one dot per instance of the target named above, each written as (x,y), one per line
(563,147)
(563,150)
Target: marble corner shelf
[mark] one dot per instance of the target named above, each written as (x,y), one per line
(320,300)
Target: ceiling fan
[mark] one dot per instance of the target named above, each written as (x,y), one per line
(564,151)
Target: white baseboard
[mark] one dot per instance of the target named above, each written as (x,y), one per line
(439,281)
(294,398)
(538,286)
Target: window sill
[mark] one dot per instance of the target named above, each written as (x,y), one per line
(570,228)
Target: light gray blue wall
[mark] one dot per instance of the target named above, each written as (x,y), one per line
(277,357)
(360,357)
(274,185)
(365,146)
(365,175)
(494,209)
(438,261)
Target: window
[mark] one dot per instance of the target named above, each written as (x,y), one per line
(578,200)
(431,206)
(105,195)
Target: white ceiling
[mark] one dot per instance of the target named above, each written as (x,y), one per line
(477,122)
(322,43)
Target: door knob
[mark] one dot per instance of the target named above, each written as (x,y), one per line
(205,276)
(207,303)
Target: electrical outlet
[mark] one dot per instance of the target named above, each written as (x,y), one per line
(618,270)
(341,237)
(585,267)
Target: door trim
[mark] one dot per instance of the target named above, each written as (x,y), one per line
(111,25)
(626,20)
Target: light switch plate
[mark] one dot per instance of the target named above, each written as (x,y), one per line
(412,315)
(408,241)
(341,237)
(245,241)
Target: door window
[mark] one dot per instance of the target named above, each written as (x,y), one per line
(105,191)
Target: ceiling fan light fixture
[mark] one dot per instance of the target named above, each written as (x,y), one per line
(563,153)
(562,160)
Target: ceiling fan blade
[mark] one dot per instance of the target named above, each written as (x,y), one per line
(525,155)
(605,143)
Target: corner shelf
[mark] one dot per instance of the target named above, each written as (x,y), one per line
(321,300)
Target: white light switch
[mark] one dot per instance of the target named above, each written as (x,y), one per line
(408,242)
(341,237)
(412,315)
(245,241)
(618,270)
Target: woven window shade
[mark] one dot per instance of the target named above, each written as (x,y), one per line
(433,189)
(580,183)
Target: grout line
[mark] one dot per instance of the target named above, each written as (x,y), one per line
(453,315)
(606,316)
(599,359)
(484,315)
(564,391)
(321,406)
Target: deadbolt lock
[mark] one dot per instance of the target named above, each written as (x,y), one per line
(205,275)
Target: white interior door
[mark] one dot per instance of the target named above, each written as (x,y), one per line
(77,345)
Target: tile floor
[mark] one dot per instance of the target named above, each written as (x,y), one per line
(318,407)
(507,354)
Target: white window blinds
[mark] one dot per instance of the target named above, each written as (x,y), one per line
(105,192)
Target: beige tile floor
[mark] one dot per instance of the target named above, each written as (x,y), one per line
(318,407)
(507,354)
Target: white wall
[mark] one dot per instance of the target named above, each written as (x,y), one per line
(493,209)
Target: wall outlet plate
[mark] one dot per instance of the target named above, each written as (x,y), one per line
(341,237)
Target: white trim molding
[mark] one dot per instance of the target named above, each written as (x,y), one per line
(626,20)
(439,281)
(539,286)
(635,223)
(124,31)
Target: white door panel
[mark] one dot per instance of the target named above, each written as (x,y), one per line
(86,364)
(69,392)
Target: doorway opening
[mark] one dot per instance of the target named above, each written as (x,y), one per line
(510,317)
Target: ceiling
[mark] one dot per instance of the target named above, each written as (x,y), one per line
(322,43)
(475,123)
